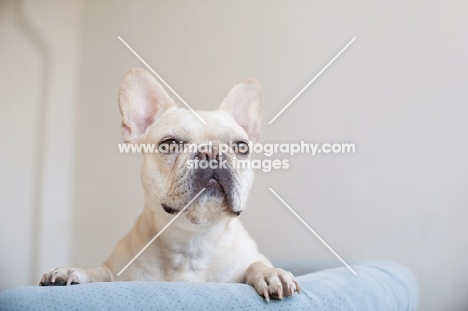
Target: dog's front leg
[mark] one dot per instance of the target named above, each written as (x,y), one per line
(69,276)
(271,282)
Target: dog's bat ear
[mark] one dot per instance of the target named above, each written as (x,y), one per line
(141,101)
(245,103)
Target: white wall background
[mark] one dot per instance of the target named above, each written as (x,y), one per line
(399,93)
(38,78)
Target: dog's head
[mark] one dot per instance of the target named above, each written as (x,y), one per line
(177,172)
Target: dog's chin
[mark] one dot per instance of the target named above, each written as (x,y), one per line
(210,207)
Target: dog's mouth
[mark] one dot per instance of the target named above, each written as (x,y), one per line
(219,191)
(169,209)
(214,184)
(213,181)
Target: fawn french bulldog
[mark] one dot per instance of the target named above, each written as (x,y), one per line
(207,243)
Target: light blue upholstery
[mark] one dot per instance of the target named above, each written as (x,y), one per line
(379,286)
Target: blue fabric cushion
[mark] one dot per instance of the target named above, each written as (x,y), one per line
(381,285)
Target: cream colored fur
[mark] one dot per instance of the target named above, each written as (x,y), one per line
(208,242)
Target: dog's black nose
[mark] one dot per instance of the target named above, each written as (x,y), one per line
(212,154)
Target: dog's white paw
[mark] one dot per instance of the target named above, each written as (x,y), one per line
(272,282)
(62,276)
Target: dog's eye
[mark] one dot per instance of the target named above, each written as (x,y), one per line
(169,141)
(242,147)
(169,146)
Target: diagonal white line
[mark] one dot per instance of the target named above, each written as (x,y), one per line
(161,79)
(159,233)
(313,79)
(312,230)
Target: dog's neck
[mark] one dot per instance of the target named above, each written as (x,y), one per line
(181,232)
